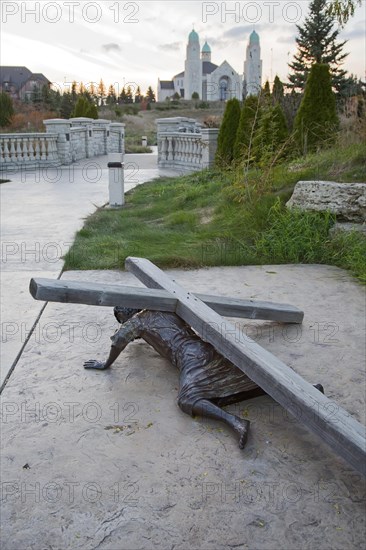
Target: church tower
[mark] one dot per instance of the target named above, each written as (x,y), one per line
(206,52)
(193,67)
(253,66)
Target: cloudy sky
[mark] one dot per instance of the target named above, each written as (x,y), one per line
(137,42)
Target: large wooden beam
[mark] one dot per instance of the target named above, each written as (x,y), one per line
(333,424)
(98,294)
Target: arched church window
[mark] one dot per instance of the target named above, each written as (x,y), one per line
(223,88)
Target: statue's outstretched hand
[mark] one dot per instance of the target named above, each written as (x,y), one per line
(94,364)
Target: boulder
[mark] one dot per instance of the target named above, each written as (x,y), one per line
(346,200)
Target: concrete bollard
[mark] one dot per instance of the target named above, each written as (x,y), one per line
(144,141)
(116,180)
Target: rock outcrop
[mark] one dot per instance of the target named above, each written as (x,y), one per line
(346,200)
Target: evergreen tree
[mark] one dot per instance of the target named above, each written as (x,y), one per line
(316,121)
(247,127)
(317,43)
(122,96)
(111,97)
(101,92)
(227,133)
(138,96)
(51,99)
(150,96)
(85,108)
(74,92)
(277,90)
(6,109)
(91,93)
(266,92)
(129,95)
(271,136)
(67,105)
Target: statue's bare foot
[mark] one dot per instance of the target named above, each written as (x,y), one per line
(94,364)
(242,428)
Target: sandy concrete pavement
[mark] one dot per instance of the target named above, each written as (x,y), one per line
(106,460)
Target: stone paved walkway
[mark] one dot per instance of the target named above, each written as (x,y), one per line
(40,213)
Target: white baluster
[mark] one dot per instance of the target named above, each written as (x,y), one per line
(26,144)
(170,149)
(43,149)
(18,150)
(12,150)
(37,149)
(7,157)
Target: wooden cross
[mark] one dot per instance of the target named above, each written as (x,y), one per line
(203,313)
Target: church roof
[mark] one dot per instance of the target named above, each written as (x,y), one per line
(206,48)
(179,75)
(166,85)
(193,36)
(254,38)
(208,67)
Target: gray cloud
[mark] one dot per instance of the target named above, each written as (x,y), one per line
(289,39)
(238,32)
(112,46)
(355,33)
(175,46)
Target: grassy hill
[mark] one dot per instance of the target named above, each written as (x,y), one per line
(225,218)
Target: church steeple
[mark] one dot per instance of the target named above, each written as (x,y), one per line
(193,67)
(206,52)
(253,65)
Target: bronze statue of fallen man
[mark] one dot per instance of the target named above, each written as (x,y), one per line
(207,380)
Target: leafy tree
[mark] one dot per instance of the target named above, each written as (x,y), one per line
(150,95)
(248,124)
(316,121)
(317,43)
(270,138)
(343,9)
(195,95)
(6,109)
(227,133)
(277,90)
(85,108)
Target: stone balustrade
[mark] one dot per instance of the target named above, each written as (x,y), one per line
(184,145)
(64,142)
(29,150)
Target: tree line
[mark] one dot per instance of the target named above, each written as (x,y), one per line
(79,100)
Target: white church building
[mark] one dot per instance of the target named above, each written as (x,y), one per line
(214,82)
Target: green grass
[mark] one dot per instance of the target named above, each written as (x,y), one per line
(225,218)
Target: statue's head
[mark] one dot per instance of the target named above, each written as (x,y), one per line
(122,314)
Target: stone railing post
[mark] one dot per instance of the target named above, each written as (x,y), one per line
(62,128)
(209,146)
(117,138)
(102,138)
(87,123)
